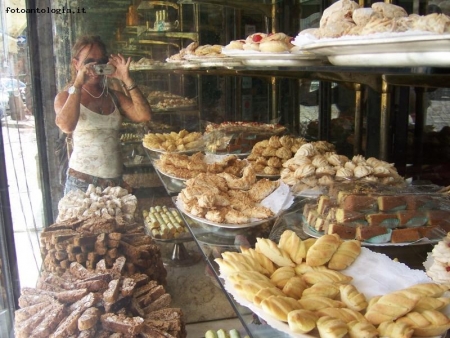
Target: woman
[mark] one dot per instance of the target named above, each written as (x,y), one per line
(89,110)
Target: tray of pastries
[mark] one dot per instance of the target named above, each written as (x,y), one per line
(327,287)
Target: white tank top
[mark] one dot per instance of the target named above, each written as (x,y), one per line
(96,144)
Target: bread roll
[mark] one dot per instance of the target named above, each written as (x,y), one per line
(431,303)
(395,330)
(428,323)
(279,307)
(322,289)
(429,289)
(247,275)
(263,260)
(293,245)
(303,268)
(391,306)
(294,287)
(354,299)
(347,315)
(330,327)
(266,293)
(322,250)
(282,275)
(229,267)
(317,303)
(249,260)
(270,249)
(249,288)
(345,255)
(302,321)
(358,329)
(329,276)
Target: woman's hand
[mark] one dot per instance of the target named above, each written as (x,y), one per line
(83,74)
(122,67)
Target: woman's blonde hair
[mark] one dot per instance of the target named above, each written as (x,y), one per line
(80,44)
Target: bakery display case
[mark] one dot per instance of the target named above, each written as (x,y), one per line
(236,102)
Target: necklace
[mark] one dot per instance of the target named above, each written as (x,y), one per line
(95,97)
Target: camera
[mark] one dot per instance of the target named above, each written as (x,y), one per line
(104,69)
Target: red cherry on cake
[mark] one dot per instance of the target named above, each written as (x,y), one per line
(447,268)
(256,38)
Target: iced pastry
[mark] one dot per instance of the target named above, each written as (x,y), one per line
(439,271)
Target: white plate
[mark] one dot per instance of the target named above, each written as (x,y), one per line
(373,274)
(389,51)
(180,207)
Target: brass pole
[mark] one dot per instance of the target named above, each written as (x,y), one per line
(357,145)
(384,121)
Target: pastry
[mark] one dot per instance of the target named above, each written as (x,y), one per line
(270,249)
(322,289)
(357,329)
(294,287)
(330,327)
(391,306)
(266,293)
(249,288)
(282,275)
(265,262)
(391,203)
(293,245)
(344,231)
(427,323)
(345,255)
(315,303)
(279,307)
(366,232)
(330,276)
(361,203)
(322,250)
(395,329)
(388,10)
(347,315)
(405,235)
(354,299)
(302,321)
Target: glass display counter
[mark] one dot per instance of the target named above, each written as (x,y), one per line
(213,241)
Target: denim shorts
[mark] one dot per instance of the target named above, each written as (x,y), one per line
(73,183)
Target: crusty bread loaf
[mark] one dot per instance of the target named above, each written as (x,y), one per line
(322,250)
(293,245)
(315,303)
(271,250)
(302,321)
(395,329)
(354,299)
(282,275)
(345,255)
(279,307)
(294,287)
(330,327)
